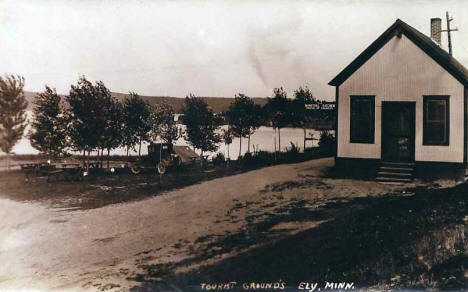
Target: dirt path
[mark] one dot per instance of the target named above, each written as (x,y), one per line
(107,248)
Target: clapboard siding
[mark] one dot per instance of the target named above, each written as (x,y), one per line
(401,71)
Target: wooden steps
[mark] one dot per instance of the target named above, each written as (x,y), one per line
(395,172)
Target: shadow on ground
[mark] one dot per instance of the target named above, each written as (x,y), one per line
(414,239)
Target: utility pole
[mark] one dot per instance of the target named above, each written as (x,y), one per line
(448,30)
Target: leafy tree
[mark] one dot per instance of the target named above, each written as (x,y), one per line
(49,130)
(93,118)
(256,120)
(243,116)
(85,116)
(302,96)
(109,117)
(227,138)
(12,112)
(137,123)
(163,124)
(113,125)
(278,111)
(201,124)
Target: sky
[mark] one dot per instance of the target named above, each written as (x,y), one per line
(208,48)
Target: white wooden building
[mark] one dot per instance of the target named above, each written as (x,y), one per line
(402,103)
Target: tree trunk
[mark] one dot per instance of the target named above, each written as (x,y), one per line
(228,156)
(101,159)
(139,149)
(87,160)
(274,140)
(108,155)
(279,140)
(8,161)
(127,152)
(248,146)
(304,139)
(240,146)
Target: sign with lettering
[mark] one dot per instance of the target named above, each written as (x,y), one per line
(328,106)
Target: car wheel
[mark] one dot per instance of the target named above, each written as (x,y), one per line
(177,161)
(135,169)
(161,168)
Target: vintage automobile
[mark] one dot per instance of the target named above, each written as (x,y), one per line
(165,157)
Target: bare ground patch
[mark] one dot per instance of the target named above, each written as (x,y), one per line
(238,227)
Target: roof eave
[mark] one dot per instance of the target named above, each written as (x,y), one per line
(398,28)
(365,55)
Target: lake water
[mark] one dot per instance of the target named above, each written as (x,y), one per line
(262,139)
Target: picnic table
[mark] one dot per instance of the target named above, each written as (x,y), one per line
(66,171)
(69,165)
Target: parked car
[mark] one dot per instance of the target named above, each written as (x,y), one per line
(165,157)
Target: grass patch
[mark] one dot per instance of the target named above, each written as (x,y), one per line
(392,241)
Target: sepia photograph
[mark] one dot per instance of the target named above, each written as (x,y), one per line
(251,145)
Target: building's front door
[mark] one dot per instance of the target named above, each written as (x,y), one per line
(398,131)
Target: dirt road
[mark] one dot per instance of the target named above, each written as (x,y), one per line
(107,248)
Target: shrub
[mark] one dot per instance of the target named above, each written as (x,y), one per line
(293,149)
(247,156)
(312,153)
(327,142)
(258,159)
(292,153)
(219,159)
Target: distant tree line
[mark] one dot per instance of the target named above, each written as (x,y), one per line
(89,119)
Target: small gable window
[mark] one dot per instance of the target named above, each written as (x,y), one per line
(362,119)
(436,118)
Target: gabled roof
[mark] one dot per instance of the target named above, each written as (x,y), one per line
(419,39)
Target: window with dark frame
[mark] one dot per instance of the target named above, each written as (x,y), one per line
(436,117)
(362,119)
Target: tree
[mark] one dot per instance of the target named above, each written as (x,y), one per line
(201,124)
(163,125)
(90,118)
(243,116)
(227,138)
(109,119)
(278,111)
(12,112)
(256,120)
(302,96)
(85,117)
(49,130)
(137,124)
(112,135)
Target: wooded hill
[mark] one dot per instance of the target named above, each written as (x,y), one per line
(218,104)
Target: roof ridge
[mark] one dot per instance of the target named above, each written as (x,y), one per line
(424,42)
